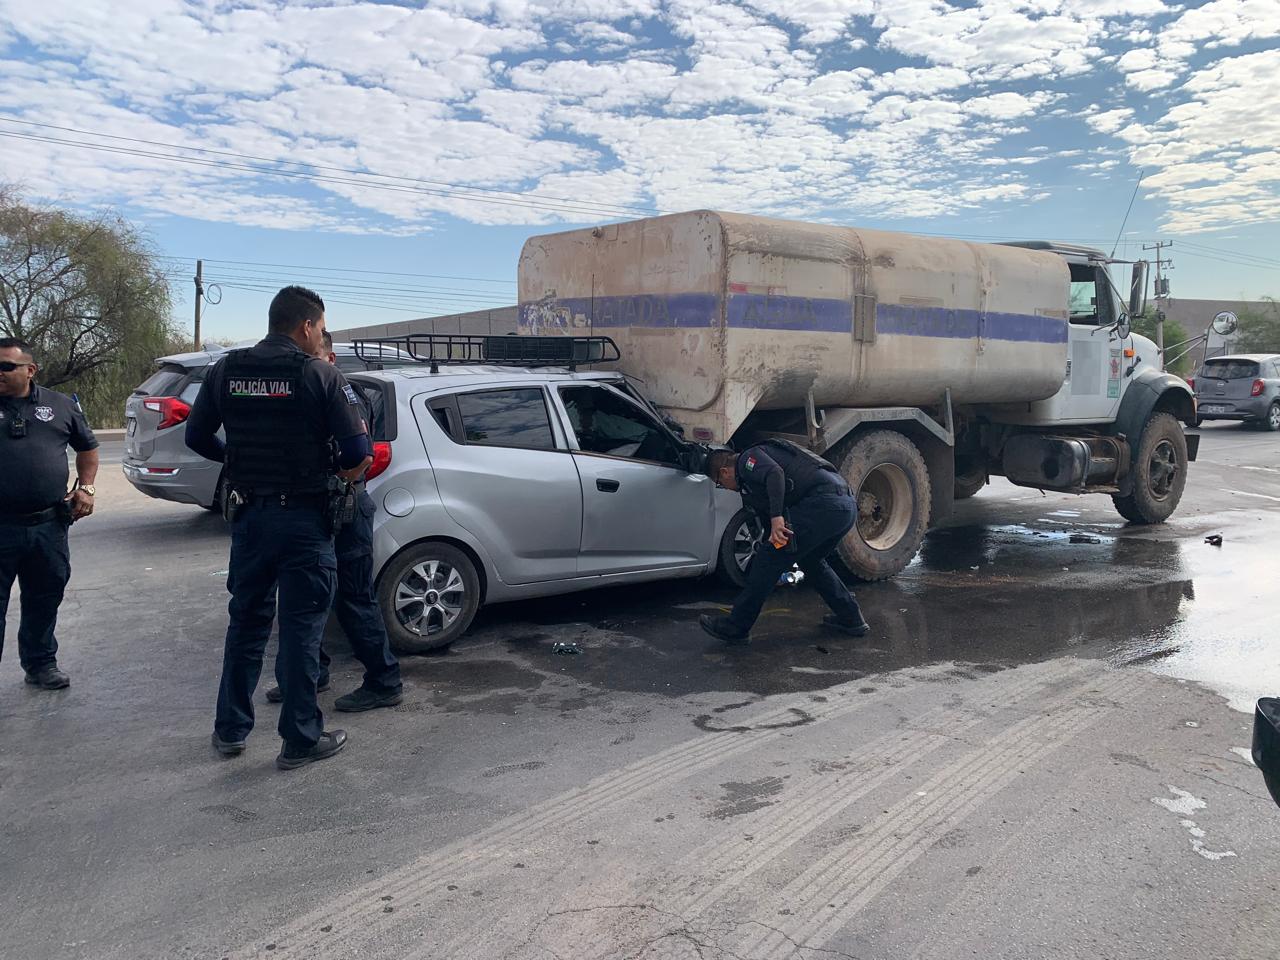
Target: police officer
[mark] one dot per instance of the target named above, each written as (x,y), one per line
(280,407)
(808,508)
(355,602)
(36,427)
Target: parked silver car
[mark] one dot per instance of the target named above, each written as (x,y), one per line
(156,459)
(1242,387)
(499,483)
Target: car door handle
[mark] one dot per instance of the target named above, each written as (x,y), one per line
(607,486)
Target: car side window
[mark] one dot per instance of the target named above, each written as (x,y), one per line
(609,424)
(503,418)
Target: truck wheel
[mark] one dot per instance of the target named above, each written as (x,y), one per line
(1159,472)
(428,596)
(889,478)
(970,482)
(738,545)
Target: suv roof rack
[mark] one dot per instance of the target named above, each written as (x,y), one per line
(507,351)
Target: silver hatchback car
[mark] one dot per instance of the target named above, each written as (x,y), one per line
(502,483)
(156,458)
(1242,387)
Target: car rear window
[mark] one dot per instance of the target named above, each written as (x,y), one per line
(163,383)
(1230,369)
(507,418)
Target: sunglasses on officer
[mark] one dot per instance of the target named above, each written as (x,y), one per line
(8,366)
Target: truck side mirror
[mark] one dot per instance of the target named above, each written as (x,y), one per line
(1138,289)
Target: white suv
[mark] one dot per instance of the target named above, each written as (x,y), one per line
(505,482)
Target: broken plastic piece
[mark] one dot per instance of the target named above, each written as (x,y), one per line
(1083,538)
(791,577)
(565,649)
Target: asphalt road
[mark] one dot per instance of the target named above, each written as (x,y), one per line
(1040,752)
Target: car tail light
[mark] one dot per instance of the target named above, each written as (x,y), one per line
(1258,387)
(172,410)
(381,459)
(1191,382)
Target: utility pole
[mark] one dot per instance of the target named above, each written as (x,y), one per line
(1161,291)
(199,297)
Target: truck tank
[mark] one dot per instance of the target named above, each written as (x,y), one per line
(721,314)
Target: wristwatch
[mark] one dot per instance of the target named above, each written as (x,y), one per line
(87,488)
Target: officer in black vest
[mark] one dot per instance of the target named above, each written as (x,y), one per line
(355,602)
(280,407)
(807,508)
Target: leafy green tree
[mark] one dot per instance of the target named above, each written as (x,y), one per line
(1259,329)
(1145,325)
(87,294)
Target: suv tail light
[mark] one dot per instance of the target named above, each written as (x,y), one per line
(172,410)
(381,459)
(1258,387)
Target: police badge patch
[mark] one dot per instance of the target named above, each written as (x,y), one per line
(44,414)
(350,394)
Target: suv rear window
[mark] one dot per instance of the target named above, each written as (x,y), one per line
(1230,370)
(507,418)
(162,383)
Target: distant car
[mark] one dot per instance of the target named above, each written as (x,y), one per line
(1244,387)
(156,459)
(498,483)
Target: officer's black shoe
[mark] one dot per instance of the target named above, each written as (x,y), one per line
(228,748)
(49,678)
(362,699)
(858,628)
(722,628)
(330,742)
(276,695)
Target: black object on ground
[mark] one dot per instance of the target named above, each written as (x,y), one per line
(1214,540)
(1266,743)
(565,649)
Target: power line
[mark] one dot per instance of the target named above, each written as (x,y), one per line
(318,269)
(438,187)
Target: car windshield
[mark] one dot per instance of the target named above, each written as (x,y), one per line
(1230,370)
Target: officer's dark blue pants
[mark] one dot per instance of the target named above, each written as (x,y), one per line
(819,522)
(356,605)
(289,547)
(38,558)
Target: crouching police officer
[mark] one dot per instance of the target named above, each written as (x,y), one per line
(280,407)
(355,602)
(809,509)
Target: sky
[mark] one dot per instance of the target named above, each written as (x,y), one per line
(395,156)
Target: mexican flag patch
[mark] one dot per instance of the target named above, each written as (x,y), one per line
(751,463)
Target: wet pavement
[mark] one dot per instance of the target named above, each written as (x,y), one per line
(1039,751)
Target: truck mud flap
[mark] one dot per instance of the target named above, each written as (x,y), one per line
(1193,446)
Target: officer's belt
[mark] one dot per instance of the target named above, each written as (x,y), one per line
(29,519)
(287,499)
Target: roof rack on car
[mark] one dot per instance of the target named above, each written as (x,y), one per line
(507,351)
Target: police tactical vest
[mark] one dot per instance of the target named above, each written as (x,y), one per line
(274,442)
(803,469)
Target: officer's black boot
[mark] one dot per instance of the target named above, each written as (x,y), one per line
(722,628)
(363,698)
(49,678)
(854,626)
(330,742)
(276,695)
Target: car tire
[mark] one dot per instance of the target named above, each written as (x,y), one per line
(412,594)
(890,480)
(1272,422)
(1159,472)
(738,544)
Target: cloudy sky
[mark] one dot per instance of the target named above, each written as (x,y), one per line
(396,155)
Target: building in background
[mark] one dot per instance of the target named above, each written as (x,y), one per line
(498,321)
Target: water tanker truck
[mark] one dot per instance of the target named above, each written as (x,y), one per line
(919,366)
